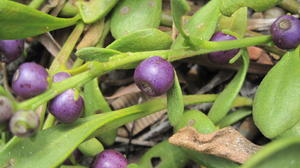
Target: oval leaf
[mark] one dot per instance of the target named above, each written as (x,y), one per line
(197,120)
(179,8)
(132,15)
(96,54)
(237,23)
(277,100)
(225,100)
(201,26)
(19,21)
(142,40)
(228,7)
(175,102)
(93,10)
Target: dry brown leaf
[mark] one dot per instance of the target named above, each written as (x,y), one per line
(92,35)
(254,52)
(226,143)
(265,59)
(124,91)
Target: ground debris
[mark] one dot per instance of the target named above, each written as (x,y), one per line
(226,143)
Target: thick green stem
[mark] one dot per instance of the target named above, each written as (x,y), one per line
(63,56)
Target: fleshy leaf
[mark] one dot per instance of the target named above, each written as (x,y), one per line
(224,101)
(132,15)
(277,100)
(96,54)
(19,21)
(201,25)
(93,10)
(175,102)
(228,7)
(142,40)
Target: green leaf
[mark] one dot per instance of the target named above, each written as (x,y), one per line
(19,21)
(93,10)
(96,54)
(93,99)
(210,161)
(132,15)
(294,131)
(277,154)
(91,147)
(66,137)
(179,8)
(234,117)
(142,40)
(175,102)
(170,156)
(228,7)
(95,102)
(224,101)
(277,100)
(237,23)
(198,120)
(201,26)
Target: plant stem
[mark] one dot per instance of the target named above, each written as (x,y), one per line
(60,61)
(96,69)
(62,57)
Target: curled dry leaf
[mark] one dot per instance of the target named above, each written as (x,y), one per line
(226,143)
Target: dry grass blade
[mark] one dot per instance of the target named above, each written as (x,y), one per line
(227,143)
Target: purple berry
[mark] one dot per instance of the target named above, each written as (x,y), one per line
(10,50)
(154,76)
(64,106)
(30,80)
(60,76)
(222,57)
(24,123)
(285,32)
(6,109)
(110,159)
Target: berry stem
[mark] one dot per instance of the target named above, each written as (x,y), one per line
(63,56)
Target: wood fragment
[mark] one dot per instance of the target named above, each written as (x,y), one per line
(226,143)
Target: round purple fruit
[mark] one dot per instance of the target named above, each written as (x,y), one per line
(66,107)
(6,109)
(110,159)
(222,57)
(30,80)
(285,32)
(10,50)
(24,123)
(154,76)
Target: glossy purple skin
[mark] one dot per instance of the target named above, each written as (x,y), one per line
(154,76)
(29,80)
(285,32)
(110,159)
(222,57)
(65,108)
(6,109)
(10,50)
(60,76)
